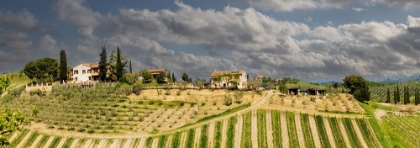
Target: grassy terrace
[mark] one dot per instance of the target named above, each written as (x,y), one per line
(262,131)
(309,141)
(275,121)
(293,139)
(321,132)
(338,137)
(246,130)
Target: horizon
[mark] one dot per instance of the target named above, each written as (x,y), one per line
(310,40)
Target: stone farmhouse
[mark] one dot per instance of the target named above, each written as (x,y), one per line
(224,79)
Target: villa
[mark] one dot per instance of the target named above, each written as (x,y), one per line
(223,79)
(84,72)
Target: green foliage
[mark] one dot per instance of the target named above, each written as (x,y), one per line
(275,121)
(131,68)
(335,128)
(406,95)
(306,129)
(161,78)
(16,141)
(103,64)
(351,133)
(137,88)
(63,66)
(230,135)
(17,91)
(162,141)
(4,83)
(283,88)
(199,83)
(119,66)
(190,138)
(416,97)
(358,87)
(185,77)
(238,96)
(173,77)
(396,95)
(10,121)
(128,78)
(292,129)
(42,69)
(204,137)
(246,131)
(288,80)
(31,139)
(176,140)
(322,132)
(262,135)
(218,134)
(147,76)
(388,96)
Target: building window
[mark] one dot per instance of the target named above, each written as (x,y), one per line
(83,71)
(76,72)
(95,70)
(88,70)
(90,78)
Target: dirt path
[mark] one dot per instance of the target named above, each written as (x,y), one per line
(24,140)
(329,133)
(183,137)
(224,132)
(49,141)
(36,141)
(6,92)
(284,132)
(73,144)
(254,129)
(344,133)
(269,129)
(238,131)
(88,143)
(169,141)
(211,134)
(115,143)
(197,137)
(314,132)
(102,143)
(14,136)
(299,130)
(127,143)
(155,142)
(62,141)
(359,134)
(142,142)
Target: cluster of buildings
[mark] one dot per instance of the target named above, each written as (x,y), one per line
(86,73)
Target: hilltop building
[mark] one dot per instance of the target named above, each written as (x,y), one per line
(84,72)
(224,79)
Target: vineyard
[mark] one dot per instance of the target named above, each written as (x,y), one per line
(235,131)
(379,93)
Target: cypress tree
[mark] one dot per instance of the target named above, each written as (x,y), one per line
(395,96)
(119,65)
(416,97)
(406,95)
(398,94)
(388,96)
(63,66)
(173,77)
(103,64)
(131,68)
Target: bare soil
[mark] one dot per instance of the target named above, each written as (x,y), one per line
(284,130)
(24,140)
(36,141)
(254,129)
(197,137)
(269,129)
(211,134)
(329,133)
(359,133)
(224,132)
(238,131)
(344,133)
(314,131)
(155,143)
(299,130)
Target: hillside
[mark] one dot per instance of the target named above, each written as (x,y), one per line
(109,115)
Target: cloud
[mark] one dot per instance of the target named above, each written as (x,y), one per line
(399,3)
(242,30)
(358,9)
(290,5)
(73,11)
(24,20)
(309,19)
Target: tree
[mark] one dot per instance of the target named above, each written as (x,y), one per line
(128,78)
(9,122)
(63,66)
(416,97)
(266,79)
(406,95)
(34,111)
(103,64)
(119,66)
(112,63)
(253,84)
(160,78)
(42,69)
(388,96)
(283,88)
(335,85)
(396,95)
(131,68)
(185,77)
(147,76)
(357,86)
(173,77)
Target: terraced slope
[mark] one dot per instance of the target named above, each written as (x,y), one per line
(297,125)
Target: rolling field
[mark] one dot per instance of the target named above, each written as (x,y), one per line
(199,136)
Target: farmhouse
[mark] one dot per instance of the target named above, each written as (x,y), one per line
(155,73)
(259,77)
(223,79)
(84,72)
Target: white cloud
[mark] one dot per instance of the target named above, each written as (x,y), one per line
(290,5)
(23,20)
(400,3)
(358,9)
(75,12)
(413,22)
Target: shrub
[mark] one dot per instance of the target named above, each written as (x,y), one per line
(167,92)
(192,104)
(228,100)
(203,103)
(178,93)
(151,102)
(140,102)
(181,103)
(214,103)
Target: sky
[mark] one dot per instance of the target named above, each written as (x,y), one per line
(304,39)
